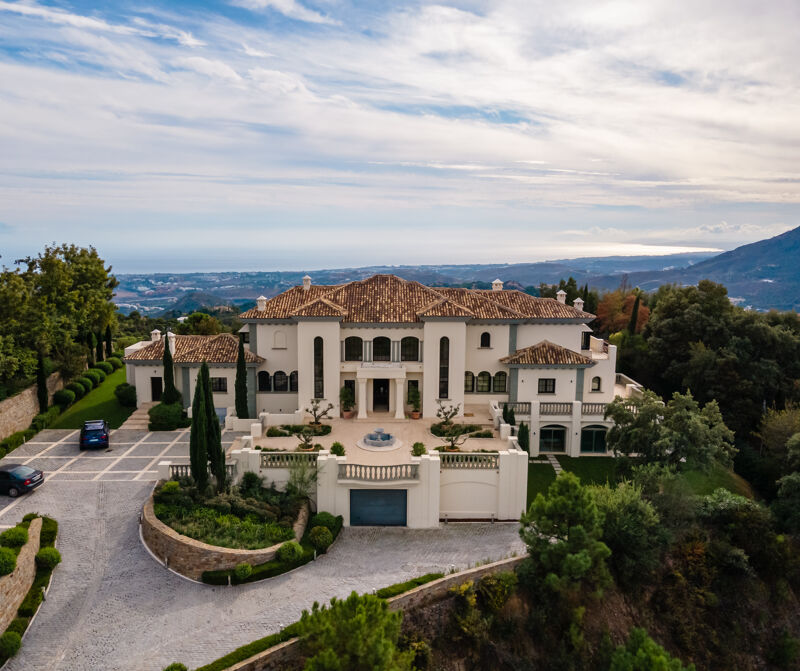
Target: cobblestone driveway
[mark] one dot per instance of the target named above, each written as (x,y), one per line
(111,606)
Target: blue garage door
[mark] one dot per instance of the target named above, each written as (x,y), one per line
(378,507)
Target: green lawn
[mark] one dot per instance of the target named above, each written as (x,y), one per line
(539,478)
(704,483)
(591,470)
(100,403)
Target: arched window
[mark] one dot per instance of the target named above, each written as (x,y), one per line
(486,339)
(263,381)
(353,349)
(279,381)
(319,370)
(596,383)
(484,382)
(293,381)
(499,383)
(409,349)
(381,349)
(469,382)
(279,340)
(552,438)
(444,367)
(593,439)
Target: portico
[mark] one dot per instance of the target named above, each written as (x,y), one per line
(373,373)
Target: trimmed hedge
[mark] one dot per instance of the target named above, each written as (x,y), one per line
(407,586)
(10,643)
(240,654)
(126,395)
(316,429)
(326,520)
(321,538)
(104,366)
(115,361)
(85,382)
(41,422)
(48,558)
(19,625)
(15,440)
(167,417)
(8,561)
(77,389)
(64,398)
(95,375)
(15,537)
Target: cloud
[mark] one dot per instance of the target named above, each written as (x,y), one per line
(208,67)
(289,8)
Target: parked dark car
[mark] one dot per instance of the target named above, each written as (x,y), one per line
(16,479)
(94,434)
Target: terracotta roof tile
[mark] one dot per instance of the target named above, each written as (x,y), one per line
(390,299)
(222,348)
(546,353)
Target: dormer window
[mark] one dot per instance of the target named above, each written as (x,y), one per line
(486,339)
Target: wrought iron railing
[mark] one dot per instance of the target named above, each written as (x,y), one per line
(286,459)
(555,408)
(370,473)
(594,408)
(519,408)
(468,460)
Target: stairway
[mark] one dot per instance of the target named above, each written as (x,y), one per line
(139,420)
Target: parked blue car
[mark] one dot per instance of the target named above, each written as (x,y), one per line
(94,434)
(16,479)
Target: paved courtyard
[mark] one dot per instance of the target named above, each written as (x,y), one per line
(111,606)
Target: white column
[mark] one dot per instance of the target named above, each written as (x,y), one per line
(574,447)
(361,399)
(399,400)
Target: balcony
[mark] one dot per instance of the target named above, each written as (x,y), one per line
(555,408)
(594,408)
(370,473)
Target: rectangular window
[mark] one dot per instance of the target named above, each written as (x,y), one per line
(412,384)
(585,342)
(547,385)
(245,337)
(219,384)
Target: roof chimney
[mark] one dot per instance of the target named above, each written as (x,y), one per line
(155,334)
(561,295)
(578,303)
(497,285)
(306,283)
(261,303)
(171,341)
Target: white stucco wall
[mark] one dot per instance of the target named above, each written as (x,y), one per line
(141,375)
(221,400)
(434,331)
(278,358)
(307,330)
(566,335)
(528,388)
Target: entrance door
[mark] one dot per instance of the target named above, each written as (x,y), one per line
(378,507)
(380,395)
(156,387)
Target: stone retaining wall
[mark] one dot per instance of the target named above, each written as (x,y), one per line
(191,558)
(279,657)
(17,412)
(15,585)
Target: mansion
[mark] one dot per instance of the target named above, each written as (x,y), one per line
(384,336)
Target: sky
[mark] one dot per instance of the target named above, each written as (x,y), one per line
(289,134)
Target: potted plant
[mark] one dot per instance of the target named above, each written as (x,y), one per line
(414,400)
(347,401)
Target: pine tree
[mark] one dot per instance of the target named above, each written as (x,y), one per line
(241,384)
(98,346)
(198,437)
(216,454)
(634,316)
(109,350)
(170,394)
(41,383)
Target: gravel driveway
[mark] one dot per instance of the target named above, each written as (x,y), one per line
(112,606)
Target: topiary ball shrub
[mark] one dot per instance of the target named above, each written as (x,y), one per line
(116,362)
(15,537)
(48,558)
(77,389)
(19,625)
(106,367)
(8,561)
(64,397)
(166,417)
(290,551)
(98,372)
(10,643)
(243,571)
(86,383)
(418,449)
(326,520)
(176,666)
(126,395)
(321,538)
(337,449)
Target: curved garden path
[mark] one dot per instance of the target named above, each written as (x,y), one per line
(112,606)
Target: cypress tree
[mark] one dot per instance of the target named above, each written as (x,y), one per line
(634,316)
(216,455)
(98,346)
(109,350)
(41,383)
(241,384)
(198,437)
(505,415)
(524,437)
(91,343)
(512,417)
(170,394)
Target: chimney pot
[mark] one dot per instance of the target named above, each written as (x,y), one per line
(306,283)
(155,334)
(171,341)
(261,303)
(561,295)
(578,303)
(497,285)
